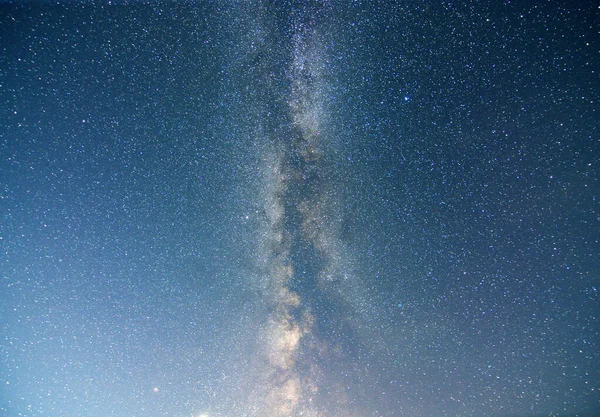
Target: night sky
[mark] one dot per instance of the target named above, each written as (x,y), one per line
(300,208)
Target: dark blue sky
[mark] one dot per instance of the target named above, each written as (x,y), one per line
(299,209)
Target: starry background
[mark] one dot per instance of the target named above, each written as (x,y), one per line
(461,147)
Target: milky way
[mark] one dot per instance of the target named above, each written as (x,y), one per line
(296,208)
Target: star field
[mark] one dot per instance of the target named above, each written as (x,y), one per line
(299,208)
